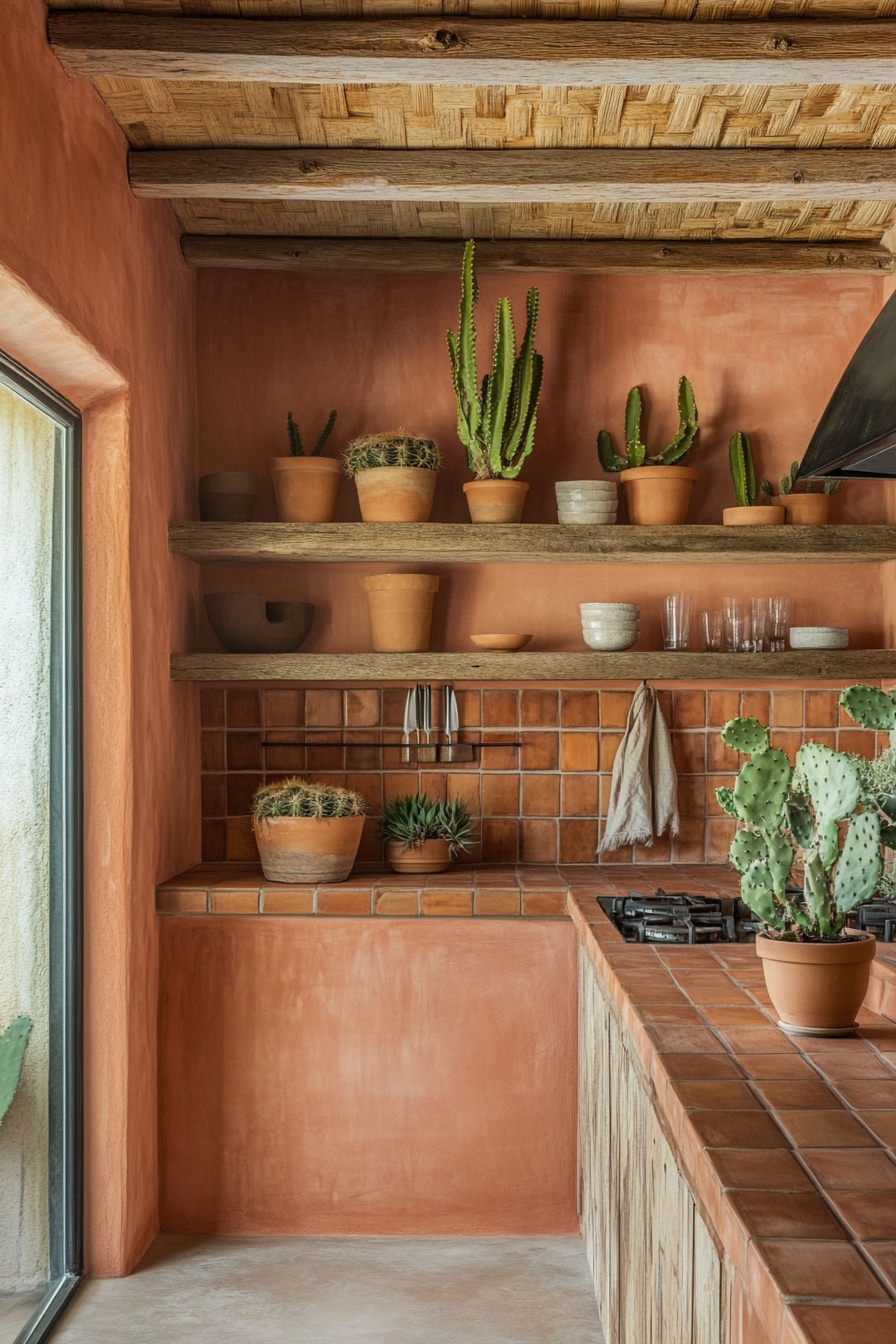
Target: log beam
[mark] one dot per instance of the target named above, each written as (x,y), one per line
(579,256)
(473,51)
(515,175)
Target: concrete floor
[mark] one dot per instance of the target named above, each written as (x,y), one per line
(343,1290)
(16,1309)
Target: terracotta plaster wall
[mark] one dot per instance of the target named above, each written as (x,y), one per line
(351,1076)
(100,284)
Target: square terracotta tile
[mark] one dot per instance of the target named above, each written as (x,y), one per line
(241,789)
(544,903)
(842,1068)
(469,708)
(213,751)
(825,1129)
(689,752)
(614,708)
(241,846)
(733,1015)
(881,1123)
(758,1041)
(447,902)
(579,709)
(736,1129)
(243,709)
(798,1095)
(338,900)
(578,841)
(819,1269)
(692,798)
(787,709)
(659,852)
(883,1253)
(466,787)
(211,708)
(691,1065)
(608,747)
(830,1324)
(857,742)
(712,1095)
(821,709)
(778,1213)
(540,751)
(500,709)
(286,758)
(756,705)
(719,758)
(362,708)
(688,846)
(499,840)
(233,902)
(284,709)
(244,751)
(214,841)
(497,901)
(214,795)
(852,1168)
(500,795)
(397,902)
(787,741)
(287,900)
(580,795)
(776,1066)
(688,709)
(722,706)
(719,833)
(578,751)
(392,706)
(539,709)
(869,1093)
(766,1169)
(190,901)
(870,1213)
(541,795)
(538,841)
(323,709)
(676,1041)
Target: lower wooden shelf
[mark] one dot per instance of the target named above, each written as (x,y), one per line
(833,665)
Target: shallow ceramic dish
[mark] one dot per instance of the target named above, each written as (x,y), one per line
(819,637)
(611,641)
(501,643)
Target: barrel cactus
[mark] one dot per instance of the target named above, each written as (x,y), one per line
(817,816)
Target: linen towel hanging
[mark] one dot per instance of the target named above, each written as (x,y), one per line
(644,785)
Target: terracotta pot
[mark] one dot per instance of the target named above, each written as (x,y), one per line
(496,501)
(754,515)
(307,849)
(658,495)
(306,488)
(817,988)
(807,510)
(246,623)
(396,494)
(430,857)
(401,611)
(227,496)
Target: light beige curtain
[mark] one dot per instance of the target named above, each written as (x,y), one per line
(27,450)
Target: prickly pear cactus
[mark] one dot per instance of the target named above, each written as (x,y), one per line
(12,1050)
(860,863)
(747,847)
(756,890)
(725,800)
(760,790)
(801,821)
(832,782)
(869,706)
(746,736)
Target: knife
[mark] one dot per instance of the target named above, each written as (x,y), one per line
(409,717)
(452,722)
(427,712)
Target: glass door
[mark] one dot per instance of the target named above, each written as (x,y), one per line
(40,856)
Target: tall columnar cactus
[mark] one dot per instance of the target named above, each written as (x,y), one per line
(12,1051)
(740,455)
(297,447)
(495,422)
(636,454)
(795,816)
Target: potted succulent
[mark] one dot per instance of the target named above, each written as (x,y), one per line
(818,822)
(12,1052)
(307,832)
(748,513)
(657,489)
(306,484)
(422,836)
(495,422)
(395,475)
(806,509)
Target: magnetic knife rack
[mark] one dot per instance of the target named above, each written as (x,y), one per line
(423,753)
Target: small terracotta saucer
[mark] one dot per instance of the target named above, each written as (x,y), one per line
(501,643)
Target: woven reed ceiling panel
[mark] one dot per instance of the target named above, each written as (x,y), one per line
(705,11)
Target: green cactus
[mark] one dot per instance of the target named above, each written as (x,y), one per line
(832,781)
(746,736)
(761,789)
(636,454)
(869,706)
(747,848)
(801,822)
(860,864)
(12,1051)
(740,456)
(788,482)
(296,446)
(725,799)
(496,424)
(756,890)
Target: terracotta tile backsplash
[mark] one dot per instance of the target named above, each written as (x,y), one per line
(544,802)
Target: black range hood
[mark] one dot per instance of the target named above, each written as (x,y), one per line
(856,436)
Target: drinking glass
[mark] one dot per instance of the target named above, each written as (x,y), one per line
(712,631)
(738,624)
(779,609)
(677,611)
(758,624)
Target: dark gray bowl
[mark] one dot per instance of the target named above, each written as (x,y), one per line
(246,623)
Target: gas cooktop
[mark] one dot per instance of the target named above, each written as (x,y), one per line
(683,917)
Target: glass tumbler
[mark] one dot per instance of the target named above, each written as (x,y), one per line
(712,631)
(677,611)
(758,624)
(738,624)
(779,610)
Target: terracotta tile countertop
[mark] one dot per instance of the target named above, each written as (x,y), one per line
(787,1143)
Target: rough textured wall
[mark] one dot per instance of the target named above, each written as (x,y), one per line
(27,448)
(109,267)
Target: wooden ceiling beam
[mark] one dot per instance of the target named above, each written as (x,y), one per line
(579,256)
(473,51)
(516,175)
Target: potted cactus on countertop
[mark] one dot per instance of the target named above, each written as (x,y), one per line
(307,832)
(495,422)
(423,836)
(748,513)
(395,475)
(306,484)
(12,1051)
(809,852)
(657,489)
(805,508)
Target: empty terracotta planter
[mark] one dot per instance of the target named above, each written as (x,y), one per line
(807,510)
(227,496)
(401,611)
(754,515)
(246,623)
(307,849)
(431,856)
(658,496)
(396,494)
(305,488)
(495,501)
(817,988)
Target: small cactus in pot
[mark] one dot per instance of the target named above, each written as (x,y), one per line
(395,475)
(816,821)
(805,508)
(657,489)
(306,483)
(748,513)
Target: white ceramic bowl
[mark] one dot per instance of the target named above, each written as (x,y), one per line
(586,519)
(624,618)
(585,487)
(611,642)
(608,608)
(819,637)
(610,627)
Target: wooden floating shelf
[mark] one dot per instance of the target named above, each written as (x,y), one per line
(471,543)
(817,665)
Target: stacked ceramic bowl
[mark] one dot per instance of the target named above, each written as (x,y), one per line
(819,637)
(586,501)
(610,627)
